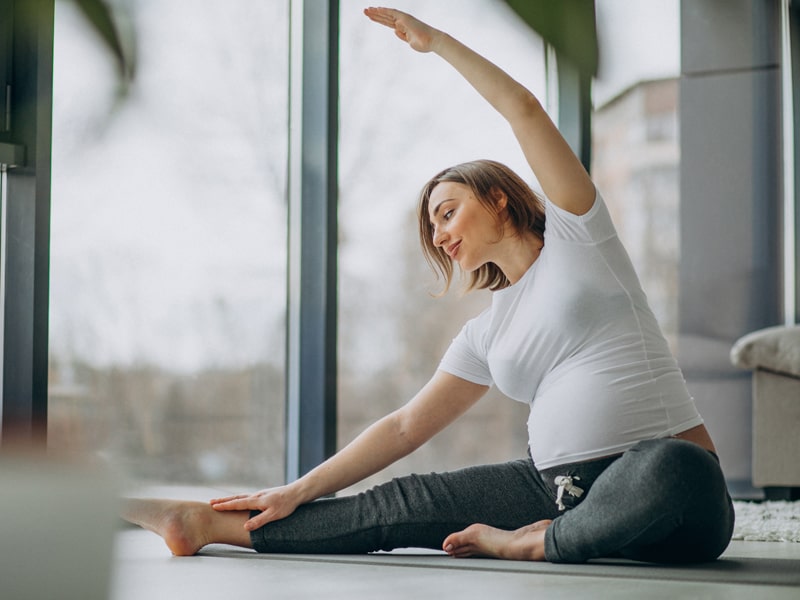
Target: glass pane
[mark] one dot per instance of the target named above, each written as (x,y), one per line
(169,243)
(636,165)
(404,117)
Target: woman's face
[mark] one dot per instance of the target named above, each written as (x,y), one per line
(462,226)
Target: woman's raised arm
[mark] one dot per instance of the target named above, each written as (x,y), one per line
(560,173)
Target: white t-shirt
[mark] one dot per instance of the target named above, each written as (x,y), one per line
(577,341)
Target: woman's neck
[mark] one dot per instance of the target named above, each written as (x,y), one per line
(517,255)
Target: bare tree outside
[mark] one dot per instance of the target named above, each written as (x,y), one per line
(169,244)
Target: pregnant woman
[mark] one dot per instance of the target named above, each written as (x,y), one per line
(619,461)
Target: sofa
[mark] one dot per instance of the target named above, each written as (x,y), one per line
(773,356)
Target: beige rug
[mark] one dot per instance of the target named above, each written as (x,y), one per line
(777,521)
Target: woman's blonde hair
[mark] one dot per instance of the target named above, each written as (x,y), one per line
(485,178)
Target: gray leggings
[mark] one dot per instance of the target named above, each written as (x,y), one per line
(661,501)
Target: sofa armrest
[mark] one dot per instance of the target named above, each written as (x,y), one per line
(774,349)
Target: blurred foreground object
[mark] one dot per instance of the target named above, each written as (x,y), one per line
(57,523)
(568,26)
(117,40)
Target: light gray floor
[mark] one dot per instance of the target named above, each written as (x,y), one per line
(144,568)
(59,539)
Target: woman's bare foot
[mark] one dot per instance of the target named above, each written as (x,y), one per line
(188,526)
(526,543)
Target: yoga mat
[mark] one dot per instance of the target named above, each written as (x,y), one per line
(733,570)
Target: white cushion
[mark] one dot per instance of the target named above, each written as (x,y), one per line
(774,349)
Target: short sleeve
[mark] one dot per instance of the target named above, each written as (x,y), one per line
(593,227)
(466,356)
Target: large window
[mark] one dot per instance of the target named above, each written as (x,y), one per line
(636,166)
(169,243)
(169,230)
(404,117)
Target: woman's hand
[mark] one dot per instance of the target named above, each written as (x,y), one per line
(420,37)
(274,504)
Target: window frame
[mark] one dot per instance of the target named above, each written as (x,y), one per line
(26,140)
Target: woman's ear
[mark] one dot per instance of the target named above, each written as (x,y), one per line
(500,199)
(501,215)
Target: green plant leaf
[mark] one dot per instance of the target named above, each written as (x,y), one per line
(568,25)
(100,17)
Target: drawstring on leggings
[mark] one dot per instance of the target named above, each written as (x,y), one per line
(565,484)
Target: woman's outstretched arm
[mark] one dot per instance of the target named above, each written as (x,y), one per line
(560,173)
(443,399)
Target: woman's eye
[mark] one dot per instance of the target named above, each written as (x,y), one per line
(448,214)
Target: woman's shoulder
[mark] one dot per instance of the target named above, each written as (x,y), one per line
(593,226)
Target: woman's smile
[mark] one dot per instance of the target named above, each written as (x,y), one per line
(452,250)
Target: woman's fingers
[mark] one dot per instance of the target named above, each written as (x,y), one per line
(390,18)
(241,502)
(214,501)
(249,502)
(384,16)
(416,33)
(260,520)
(272,504)
(233,504)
